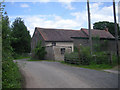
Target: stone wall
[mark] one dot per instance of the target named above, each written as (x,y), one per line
(50,53)
(54,52)
(57,52)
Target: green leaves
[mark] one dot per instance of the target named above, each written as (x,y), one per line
(105,24)
(40,51)
(20,37)
(11,76)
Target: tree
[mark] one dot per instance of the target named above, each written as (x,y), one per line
(6,37)
(21,37)
(11,77)
(105,24)
(40,51)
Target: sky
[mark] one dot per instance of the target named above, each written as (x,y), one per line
(61,15)
(119,13)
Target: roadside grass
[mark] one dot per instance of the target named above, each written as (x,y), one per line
(21,57)
(91,66)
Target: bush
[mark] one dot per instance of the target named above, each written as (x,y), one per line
(84,55)
(11,77)
(101,58)
(71,58)
(81,56)
(39,51)
(114,59)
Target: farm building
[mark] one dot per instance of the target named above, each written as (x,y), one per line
(61,41)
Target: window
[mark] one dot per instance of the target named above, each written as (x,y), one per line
(53,43)
(62,50)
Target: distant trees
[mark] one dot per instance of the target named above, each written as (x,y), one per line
(105,24)
(20,37)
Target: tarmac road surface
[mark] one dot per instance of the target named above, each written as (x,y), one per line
(43,74)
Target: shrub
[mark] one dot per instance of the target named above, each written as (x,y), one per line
(71,58)
(75,49)
(39,51)
(84,55)
(11,77)
(101,58)
(114,59)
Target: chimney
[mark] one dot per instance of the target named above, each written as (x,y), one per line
(106,29)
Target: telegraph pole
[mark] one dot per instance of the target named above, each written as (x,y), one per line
(89,25)
(116,31)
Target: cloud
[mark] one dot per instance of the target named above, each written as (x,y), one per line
(44,21)
(79,20)
(98,13)
(24,5)
(68,6)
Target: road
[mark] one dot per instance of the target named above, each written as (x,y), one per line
(43,74)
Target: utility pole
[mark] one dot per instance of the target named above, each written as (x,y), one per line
(89,25)
(116,31)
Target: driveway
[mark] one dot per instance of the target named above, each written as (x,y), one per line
(43,74)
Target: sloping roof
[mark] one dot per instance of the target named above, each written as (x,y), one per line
(50,34)
(101,33)
(59,34)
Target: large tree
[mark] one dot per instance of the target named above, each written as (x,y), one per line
(6,37)
(21,37)
(105,24)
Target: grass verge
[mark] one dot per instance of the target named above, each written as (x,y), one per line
(22,58)
(92,66)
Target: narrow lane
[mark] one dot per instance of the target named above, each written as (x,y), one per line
(43,74)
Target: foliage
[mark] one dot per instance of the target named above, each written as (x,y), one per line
(71,58)
(82,57)
(10,72)
(19,56)
(96,44)
(20,37)
(85,56)
(75,49)
(99,59)
(105,24)
(40,51)
(11,77)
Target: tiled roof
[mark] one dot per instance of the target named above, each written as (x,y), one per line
(99,33)
(59,34)
(50,34)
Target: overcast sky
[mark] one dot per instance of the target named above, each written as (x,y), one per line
(67,15)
